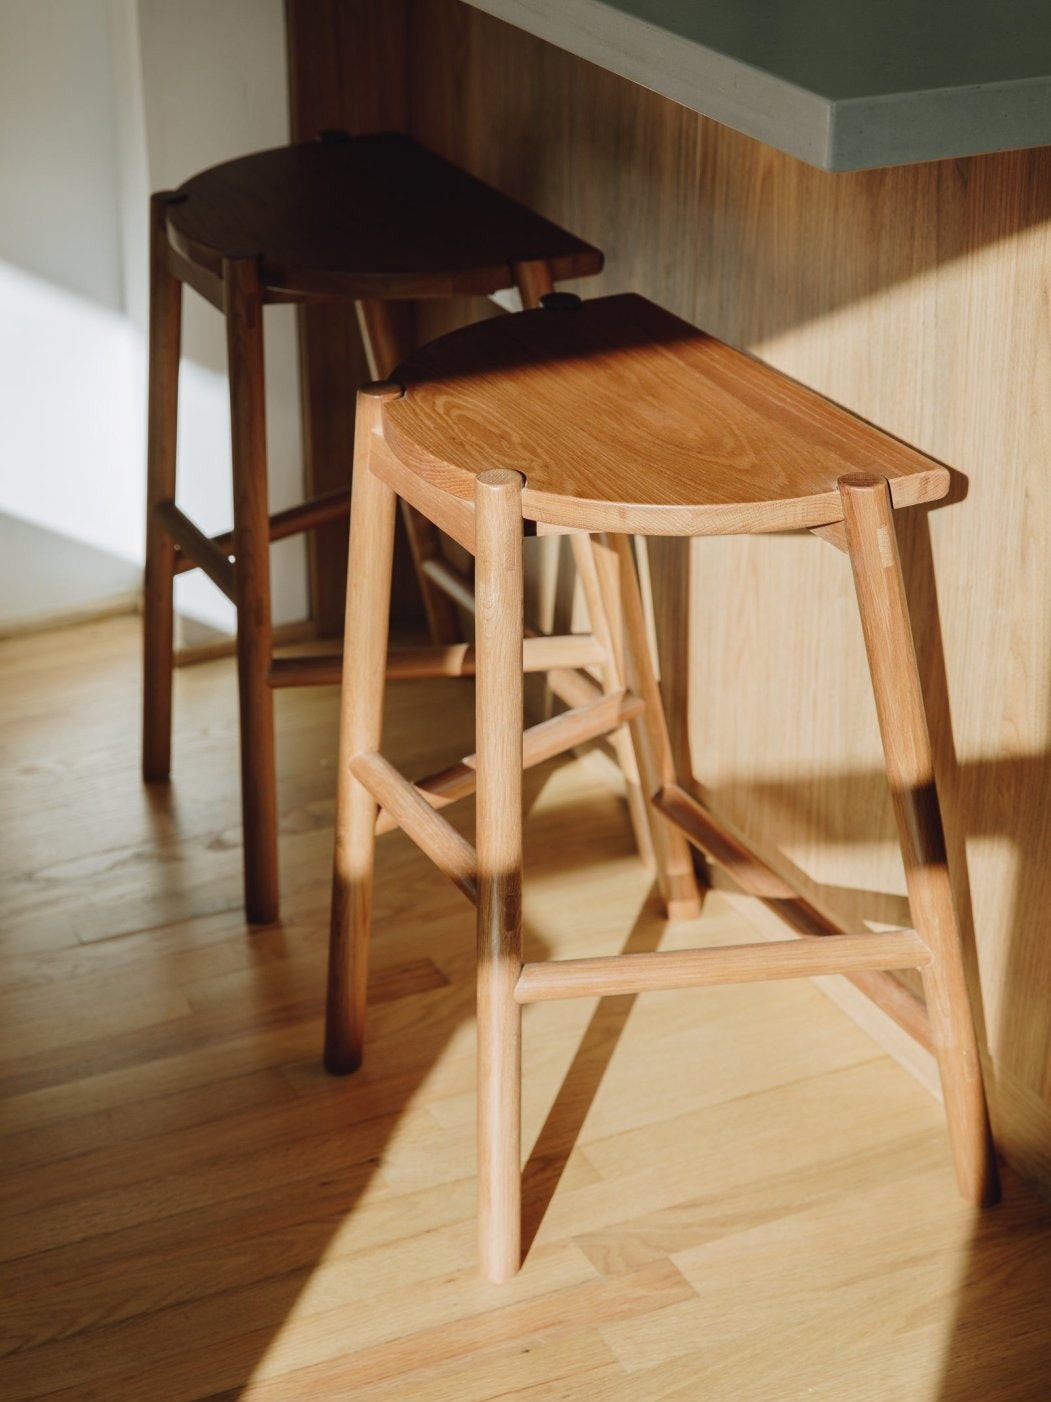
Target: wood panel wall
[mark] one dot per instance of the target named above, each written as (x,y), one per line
(347,72)
(919,298)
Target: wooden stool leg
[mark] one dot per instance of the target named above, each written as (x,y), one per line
(243,305)
(868,517)
(619,585)
(499,701)
(165,328)
(383,353)
(360,723)
(533,281)
(613,680)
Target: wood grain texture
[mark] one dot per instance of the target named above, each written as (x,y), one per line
(621,740)
(424,412)
(884,611)
(367,614)
(193,1211)
(341,216)
(407,807)
(701,968)
(195,548)
(499,622)
(346,72)
(917,298)
(378,323)
(753,880)
(622,417)
(539,743)
(305,516)
(618,586)
(165,339)
(457,660)
(243,309)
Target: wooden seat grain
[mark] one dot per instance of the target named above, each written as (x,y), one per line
(621,417)
(366,216)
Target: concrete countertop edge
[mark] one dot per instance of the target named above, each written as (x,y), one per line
(844,135)
(871,132)
(751,101)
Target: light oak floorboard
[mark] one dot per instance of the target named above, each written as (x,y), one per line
(729,1193)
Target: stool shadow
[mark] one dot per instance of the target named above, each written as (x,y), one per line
(1000,1343)
(580,1085)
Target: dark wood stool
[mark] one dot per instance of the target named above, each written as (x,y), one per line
(367,220)
(609,419)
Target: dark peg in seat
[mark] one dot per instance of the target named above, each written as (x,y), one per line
(560,301)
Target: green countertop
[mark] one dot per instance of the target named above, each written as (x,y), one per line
(842,84)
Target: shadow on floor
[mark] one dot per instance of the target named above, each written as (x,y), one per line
(1000,1344)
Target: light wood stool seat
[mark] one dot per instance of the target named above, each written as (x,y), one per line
(599,419)
(363,220)
(621,417)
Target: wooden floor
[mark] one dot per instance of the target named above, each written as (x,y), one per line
(731,1194)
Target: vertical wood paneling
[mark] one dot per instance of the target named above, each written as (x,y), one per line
(346,72)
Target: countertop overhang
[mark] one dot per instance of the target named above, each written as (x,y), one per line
(841,84)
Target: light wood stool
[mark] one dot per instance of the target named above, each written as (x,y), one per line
(616,417)
(364,220)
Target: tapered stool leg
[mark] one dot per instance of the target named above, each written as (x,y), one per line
(366,628)
(499,700)
(882,603)
(243,304)
(533,280)
(619,586)
(613,680)
(164,338)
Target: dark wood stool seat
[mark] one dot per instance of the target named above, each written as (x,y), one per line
(621,417)
(600,419)
(363,220)
(366,216)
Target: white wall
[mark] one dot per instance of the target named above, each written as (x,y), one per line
(58,160)
(70,425)
(100,102)
(215,86)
